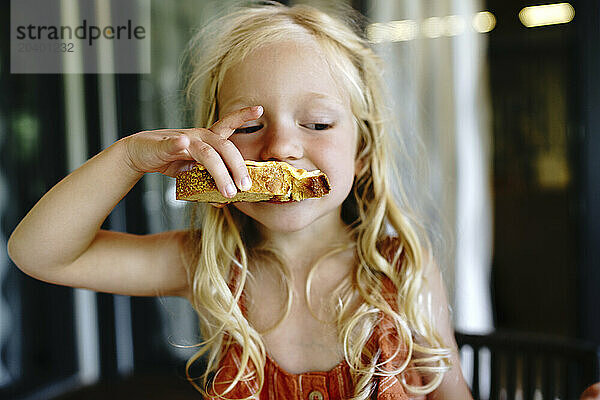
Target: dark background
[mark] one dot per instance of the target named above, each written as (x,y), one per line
(546,254)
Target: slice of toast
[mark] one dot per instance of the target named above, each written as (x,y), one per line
(271,180)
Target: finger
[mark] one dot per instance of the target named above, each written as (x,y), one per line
(230,122)
(233,159)
(212,161)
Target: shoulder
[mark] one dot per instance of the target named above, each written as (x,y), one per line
(435,308)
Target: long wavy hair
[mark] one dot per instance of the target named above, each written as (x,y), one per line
(223,239)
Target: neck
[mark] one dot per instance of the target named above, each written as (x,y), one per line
(304,246)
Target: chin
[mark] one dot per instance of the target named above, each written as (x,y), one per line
(284,217)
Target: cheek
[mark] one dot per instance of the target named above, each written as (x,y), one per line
(246,146)
(342,175)
(340,151)
(339,167)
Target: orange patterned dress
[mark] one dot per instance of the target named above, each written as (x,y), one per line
(320,385)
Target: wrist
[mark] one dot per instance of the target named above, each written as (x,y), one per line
(122,149)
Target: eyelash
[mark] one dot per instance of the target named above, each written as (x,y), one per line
(256,128)
(248,129)
(322,126)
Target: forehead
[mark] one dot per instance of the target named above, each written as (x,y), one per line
(297,71)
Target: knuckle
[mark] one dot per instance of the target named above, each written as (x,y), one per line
(205,151)
(199,132)
(177,134)
(218,141)
(225,144)
(193,134)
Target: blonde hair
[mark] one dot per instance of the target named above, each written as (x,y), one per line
(223,239)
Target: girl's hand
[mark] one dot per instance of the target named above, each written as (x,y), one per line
(171,151)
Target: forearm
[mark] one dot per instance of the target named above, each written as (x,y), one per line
(63,223)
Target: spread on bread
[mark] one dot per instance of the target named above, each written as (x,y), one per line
(271,180)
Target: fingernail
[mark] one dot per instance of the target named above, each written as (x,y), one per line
(258,108)
(231,190)
(246,183)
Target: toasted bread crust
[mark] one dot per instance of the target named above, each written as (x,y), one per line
(271,180)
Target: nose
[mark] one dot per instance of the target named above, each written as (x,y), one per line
(282,143)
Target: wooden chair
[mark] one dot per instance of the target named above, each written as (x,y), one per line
(519,366)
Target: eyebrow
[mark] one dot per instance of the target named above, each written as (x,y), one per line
(322,96)
(324,104)
(243,99)
(310,96)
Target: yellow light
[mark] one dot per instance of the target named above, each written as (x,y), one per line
(549,14)
(403,30)
(393,31)
(453,25)
(484,21)
(433,27)
(377,32)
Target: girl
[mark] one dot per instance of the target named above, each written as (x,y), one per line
(308,299)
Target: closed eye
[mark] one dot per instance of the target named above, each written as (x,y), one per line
(248,129)
(318,127)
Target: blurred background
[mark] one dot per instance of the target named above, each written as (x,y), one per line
(504,96)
